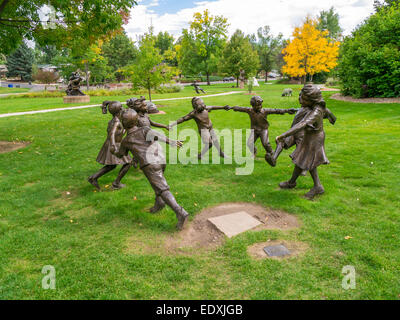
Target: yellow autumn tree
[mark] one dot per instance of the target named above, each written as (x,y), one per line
(310,52)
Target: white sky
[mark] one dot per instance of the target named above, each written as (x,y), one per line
(247,15)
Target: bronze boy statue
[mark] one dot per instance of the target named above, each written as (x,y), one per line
(115,133)
(140,106)
(142,143)
(204,125)
(310,153)
(259,124)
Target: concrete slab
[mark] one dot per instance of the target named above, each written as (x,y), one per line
(235,223)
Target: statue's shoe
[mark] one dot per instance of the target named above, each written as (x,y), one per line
(118,186)
(314,192)
(94,182)
(270,159)
(287,185)
(183,217)
(158,206)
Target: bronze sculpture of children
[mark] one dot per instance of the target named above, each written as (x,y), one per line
(115,133)
(259,124)
(142,143)
(204,125)
(310,153)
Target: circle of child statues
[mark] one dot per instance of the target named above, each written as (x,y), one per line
(129,131)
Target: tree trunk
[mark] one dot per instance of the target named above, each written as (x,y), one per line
(149,88)
(208,79)
(87,76)
(237,82)
(266,76)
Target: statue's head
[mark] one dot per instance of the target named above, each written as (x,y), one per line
(256,102)
(198,104)
(129,118)
(310,95)
(114,107)
(139,105)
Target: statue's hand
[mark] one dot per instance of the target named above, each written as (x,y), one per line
(279,139)
(113,149)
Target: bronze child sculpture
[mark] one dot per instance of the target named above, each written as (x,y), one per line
(141,107)
(296,139)
(259,125)
(142,143)
(204,125)
(197,88)
(310,153)
(115,133)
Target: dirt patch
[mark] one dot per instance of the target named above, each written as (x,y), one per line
(339,97)
(256,251)
(329,89)
(202,234)
(7,146)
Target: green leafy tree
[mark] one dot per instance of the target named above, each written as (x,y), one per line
(268,48)
(19,63)
(238,55)
(378,4)
(149,71)
(164,42)
(329,21)
(201,45)
(369,64)
(120,51)
(45,54)
(74,24)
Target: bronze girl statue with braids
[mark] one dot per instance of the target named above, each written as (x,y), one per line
(115,133)
(310,153)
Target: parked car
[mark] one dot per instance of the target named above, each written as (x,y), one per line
(228,79)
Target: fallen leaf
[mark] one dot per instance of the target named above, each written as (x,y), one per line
(348,238)
(134,198)
(254,195)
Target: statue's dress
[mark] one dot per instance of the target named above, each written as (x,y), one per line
(310,153)
(105,156)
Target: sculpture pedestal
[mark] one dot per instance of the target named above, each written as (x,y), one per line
(76,99)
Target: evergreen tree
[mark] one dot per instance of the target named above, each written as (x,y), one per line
(20,62)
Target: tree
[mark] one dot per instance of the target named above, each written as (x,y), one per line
(120,51)
(379,4)
(268,48)
(19,63)
(309,52)
(72,22)
(329,21)
(239,54)
(164,42)
(202,44)
(149,71)
(46,77)
(369,64)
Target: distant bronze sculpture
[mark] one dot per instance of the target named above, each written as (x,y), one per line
(197,88)
(115,133)
(74,85)
(310,153)
(142,143)
(204,125)
(259,125)
(141,107)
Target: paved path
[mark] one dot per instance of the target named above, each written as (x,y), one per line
(6,115)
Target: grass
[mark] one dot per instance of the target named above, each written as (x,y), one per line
(4,90)
(50,215)
(18,104)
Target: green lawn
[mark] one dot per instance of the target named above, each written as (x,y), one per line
(12,90)
(43,188)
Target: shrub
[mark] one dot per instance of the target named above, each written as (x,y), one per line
(369,63)
(46,77)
